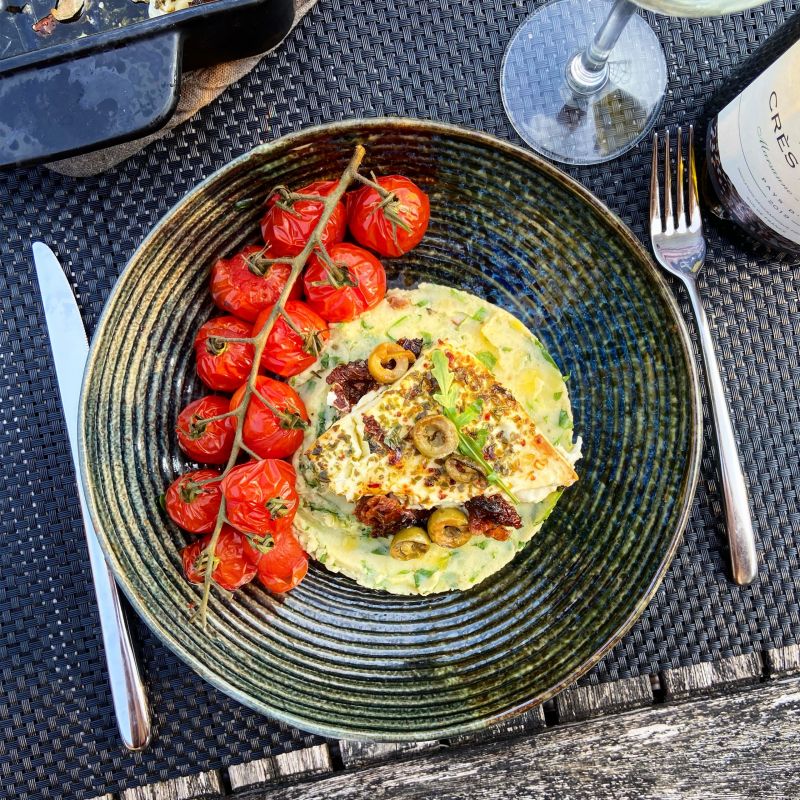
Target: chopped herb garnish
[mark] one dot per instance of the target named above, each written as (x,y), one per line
(557,395)
(322,557)
(162,501)
(480,544)
(547,357)
(486,358)
(381,550)
(565,377)
(564,419)
(365,325)
(427,339)
(394,325)
(329,360)
(447,397)
(420,575)
(480,315)
(422,303)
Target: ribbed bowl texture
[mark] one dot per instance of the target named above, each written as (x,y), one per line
(330,656)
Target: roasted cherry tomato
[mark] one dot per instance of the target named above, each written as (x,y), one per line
(207,442)
(233,569)
(292,348)
(391,221)
(260,497)
(289,222)
(245,284)
(285,565)
(346,286)
(223,366)
(275,421)
(192,503)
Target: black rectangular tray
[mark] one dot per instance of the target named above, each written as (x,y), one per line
(113,85)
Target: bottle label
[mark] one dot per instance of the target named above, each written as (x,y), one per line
(759,145)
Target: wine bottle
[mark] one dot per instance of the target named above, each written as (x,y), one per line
(753,144)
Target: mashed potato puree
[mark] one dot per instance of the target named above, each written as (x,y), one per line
(325,523)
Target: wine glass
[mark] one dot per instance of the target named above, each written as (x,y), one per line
(581,104)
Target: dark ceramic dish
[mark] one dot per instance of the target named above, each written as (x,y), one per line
(335,658)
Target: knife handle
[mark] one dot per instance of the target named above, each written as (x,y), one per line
(127,689)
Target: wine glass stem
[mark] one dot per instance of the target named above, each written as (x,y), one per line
(587,72)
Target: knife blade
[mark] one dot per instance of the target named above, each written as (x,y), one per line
(70,349)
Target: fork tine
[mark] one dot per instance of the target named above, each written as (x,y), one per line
(669,219)
(655,203)
(679,180)
(694,209)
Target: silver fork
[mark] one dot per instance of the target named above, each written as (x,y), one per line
(680,248)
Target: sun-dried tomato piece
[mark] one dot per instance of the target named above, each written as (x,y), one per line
(414,345)
(485,513)
(386,515)
(350,382)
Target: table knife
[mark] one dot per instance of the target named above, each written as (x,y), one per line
(70,349)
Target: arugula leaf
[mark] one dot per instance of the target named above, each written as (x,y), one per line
(472,448)
(469,414)
(487,359)
(447,395)
(427,339)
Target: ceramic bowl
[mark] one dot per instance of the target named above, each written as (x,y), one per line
(330,656)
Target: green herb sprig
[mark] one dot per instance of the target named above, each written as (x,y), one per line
(471,447)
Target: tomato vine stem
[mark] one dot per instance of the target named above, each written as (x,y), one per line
(259,343)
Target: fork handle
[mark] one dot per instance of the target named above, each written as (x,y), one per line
(739,524)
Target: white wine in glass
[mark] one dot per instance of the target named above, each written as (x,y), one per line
(584,80)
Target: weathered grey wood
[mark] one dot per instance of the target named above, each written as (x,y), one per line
(741,746)
(311,761)
(582,702)
(526,722)
(190,787)
(286,766)
(103,797)
(358,754)
(782,661)
(712,677)
(253,773)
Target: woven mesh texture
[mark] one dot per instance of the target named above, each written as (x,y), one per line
(350,58)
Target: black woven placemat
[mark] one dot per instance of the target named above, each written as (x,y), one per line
(439,60)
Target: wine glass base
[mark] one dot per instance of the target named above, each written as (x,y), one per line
(572,127)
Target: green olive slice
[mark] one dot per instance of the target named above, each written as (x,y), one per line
(435,436)
(409,543)
(462,470)
(388,362)
(449,527)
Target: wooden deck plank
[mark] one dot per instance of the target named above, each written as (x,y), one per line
(738,746)
(359,754)
(583,702)
(190,787)
(782,661)
(251,774)
(707,678)
(526,722)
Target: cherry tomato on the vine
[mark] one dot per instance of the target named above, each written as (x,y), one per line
(233,569)
(193,504)
(291,348)
(223,366)
(285,565)
(275,419)
(289,222)
(346,285)
(260,497)
(390,222)
(207,442)
(245,283)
